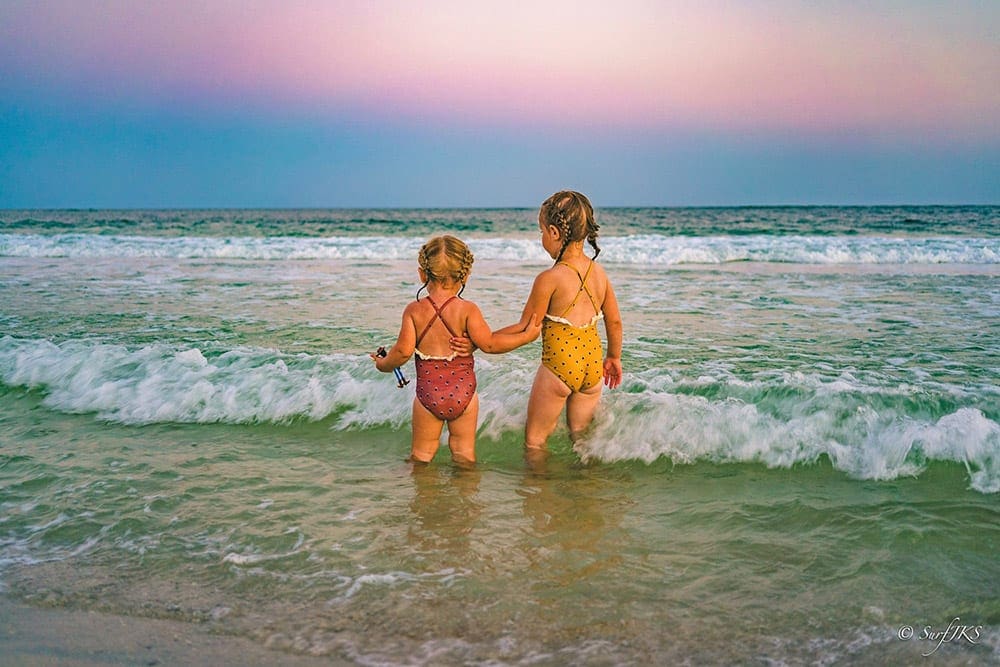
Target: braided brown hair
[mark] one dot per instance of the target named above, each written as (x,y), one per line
(573,214)
(445,258)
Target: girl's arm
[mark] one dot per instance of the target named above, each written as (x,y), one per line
(613,328)
(534,312)
(495,342)
(401,352)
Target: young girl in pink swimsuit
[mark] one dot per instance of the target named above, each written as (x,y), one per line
(446,379)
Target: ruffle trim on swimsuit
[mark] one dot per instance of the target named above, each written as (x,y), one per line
(562,320)
(428,357)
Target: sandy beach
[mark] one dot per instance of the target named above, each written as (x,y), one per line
(33,636)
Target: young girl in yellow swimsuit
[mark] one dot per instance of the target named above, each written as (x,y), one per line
(573,296)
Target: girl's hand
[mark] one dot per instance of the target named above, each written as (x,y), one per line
(612,372)
(533,328)
(462,345)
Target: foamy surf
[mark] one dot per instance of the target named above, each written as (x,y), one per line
(864,429)
(863,442)
(165,383)
(654,250)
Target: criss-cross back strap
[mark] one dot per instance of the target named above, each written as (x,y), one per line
(583,288)
(437,316)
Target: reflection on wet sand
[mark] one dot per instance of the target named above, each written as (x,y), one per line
(445,509)
(573,514)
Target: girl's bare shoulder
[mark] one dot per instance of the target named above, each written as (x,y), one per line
(417,311)
(553,274)
(467,307)
(547,281)
(599,272)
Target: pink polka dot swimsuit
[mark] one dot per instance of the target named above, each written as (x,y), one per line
(445,385)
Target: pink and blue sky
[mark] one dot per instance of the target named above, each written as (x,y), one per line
(260,103)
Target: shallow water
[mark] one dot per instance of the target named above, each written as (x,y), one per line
(803,459)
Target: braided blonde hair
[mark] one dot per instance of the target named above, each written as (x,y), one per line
(573,214)
(445,258)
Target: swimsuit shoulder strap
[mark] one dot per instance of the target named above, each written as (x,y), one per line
(437,316)
(583,288)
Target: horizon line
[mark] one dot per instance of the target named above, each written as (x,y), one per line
(397,207)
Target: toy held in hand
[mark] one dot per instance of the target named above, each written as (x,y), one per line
(401,380)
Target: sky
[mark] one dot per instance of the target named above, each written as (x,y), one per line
(308,103)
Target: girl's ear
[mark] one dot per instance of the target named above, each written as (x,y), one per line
(422,274)
(553,231)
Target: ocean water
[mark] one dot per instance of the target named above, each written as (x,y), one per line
(802,465)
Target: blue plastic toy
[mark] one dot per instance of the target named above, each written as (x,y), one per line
(401,380)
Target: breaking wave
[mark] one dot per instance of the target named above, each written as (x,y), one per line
(865,430)
(635,249)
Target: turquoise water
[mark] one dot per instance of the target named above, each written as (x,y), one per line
(804,456)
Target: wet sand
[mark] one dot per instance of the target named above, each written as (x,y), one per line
(36,637)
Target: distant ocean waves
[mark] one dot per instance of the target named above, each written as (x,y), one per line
(636,249)
(867,428)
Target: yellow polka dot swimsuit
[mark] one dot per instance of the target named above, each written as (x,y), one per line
(572,352)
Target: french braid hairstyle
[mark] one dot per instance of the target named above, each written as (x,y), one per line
(444,259)
(572,213)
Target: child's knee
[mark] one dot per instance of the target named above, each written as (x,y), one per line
(423,452)
(536,433)
(535,439)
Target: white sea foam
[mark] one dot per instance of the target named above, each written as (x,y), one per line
(635,249)
(808,416)
(161,383)
(804,250)
(867,444)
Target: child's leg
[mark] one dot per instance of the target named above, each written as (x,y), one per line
(462,434)
(426,434)
(548,396)
(580,408)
